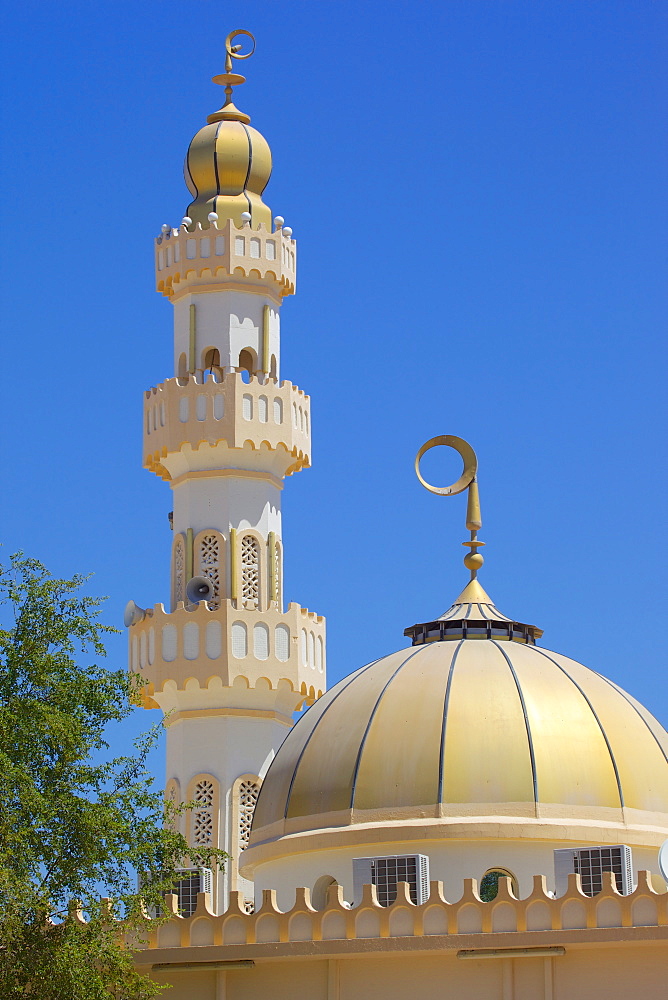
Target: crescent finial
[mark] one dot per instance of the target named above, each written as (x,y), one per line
(467,481)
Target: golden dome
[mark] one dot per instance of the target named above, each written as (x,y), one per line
(473,723)
(227,167)
(228,163)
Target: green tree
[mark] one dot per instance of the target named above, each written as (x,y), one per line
(70,826)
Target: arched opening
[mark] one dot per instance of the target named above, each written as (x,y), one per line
(273,367)
(182,367)
(211,362)
(489,884)
(211,358)
(247,361)
(320,889)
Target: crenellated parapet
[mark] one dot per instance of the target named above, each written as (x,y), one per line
(467,924)
(191,257)
(182,414)
(199,651)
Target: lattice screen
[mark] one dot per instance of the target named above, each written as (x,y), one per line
(250,572)
(248,793)
(209,561)
(203,813)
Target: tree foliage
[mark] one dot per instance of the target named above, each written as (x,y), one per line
(72,825)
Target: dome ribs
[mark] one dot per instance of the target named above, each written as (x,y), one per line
(369,723)
(349,680)
(478,739)
(632,703)
(446,705)
(596,716)
(532,752)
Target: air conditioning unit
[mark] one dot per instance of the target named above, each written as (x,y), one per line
(590,863)
(384,873)
(190,882)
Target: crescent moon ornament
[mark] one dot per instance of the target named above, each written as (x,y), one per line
(467,481)
(228,79)
(234,51)
(468,456)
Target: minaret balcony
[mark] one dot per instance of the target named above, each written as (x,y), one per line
(187,258)
(199,657)
(194,422)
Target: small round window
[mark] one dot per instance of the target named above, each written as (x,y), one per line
(489,886)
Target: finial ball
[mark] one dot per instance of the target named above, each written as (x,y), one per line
(278,221)
(165,228)
(473,561)
(212,216)
(186,221)
(245,216)
(287,231)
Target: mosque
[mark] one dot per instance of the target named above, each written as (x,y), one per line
(473,816)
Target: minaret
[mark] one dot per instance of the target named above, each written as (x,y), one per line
(225,432)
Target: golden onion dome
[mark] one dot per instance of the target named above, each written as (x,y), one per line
(228,163)
(474,723)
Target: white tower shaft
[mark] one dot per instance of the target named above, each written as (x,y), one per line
(225,432)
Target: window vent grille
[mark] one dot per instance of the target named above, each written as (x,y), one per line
(192,881)
(590,863)
(239,640)
(282,642)
(385,873)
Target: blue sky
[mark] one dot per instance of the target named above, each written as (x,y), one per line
(478,194)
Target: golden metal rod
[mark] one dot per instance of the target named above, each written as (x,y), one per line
(192,343)
(190,552)
(273,595)
(265,339)
(233,565)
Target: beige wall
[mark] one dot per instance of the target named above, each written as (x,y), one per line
(613,972)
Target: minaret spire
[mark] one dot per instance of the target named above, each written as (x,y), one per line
(473,614)
(227,660)
(228,79)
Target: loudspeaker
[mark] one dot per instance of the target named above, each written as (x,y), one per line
(132,614)
(199,589)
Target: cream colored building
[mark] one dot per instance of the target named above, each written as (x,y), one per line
(404,830)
